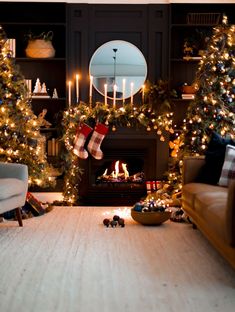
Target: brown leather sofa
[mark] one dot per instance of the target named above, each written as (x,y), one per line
(210,207)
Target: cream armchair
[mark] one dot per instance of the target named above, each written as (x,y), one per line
(13,188)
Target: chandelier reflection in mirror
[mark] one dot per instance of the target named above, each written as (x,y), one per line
(118,68)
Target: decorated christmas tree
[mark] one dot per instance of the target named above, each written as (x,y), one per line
(20,138)
(213,109)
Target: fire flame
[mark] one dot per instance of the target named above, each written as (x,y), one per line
(124,168)
(120,174)
(115,174)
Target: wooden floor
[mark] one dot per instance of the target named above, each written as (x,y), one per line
(67,261)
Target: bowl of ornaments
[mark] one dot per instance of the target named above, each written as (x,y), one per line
(150,212)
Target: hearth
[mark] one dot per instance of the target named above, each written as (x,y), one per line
(144,157)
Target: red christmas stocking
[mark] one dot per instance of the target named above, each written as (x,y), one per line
(82,133)
(96,139)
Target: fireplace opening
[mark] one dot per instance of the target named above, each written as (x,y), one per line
(142,153)
(117,179)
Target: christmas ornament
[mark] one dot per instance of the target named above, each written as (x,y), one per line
(116,217)
(106,222)
(121,222)
(82,133)
(138,207)
(113,223)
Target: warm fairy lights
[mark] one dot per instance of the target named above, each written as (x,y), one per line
(213,108)
(19,128)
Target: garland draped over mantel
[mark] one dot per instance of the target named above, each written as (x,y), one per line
(141,116)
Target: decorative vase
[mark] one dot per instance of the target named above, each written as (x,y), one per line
(40,48)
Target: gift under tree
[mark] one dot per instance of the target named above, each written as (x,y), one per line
(19,128)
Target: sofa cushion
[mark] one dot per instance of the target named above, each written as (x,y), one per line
(211,208)
(228,170)
(191,189)
(212,199)
(10,187)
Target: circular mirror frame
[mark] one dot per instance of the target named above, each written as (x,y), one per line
(117,52)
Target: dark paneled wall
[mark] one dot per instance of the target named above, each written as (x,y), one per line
(90,26)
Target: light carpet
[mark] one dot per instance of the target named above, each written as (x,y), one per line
(67,261)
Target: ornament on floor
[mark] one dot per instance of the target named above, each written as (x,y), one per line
(114,222)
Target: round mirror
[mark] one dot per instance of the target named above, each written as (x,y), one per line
(120,67)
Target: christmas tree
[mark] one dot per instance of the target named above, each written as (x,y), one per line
(213,108)
(20,138)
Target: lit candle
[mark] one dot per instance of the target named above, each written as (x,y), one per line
(69,93)
(123,90)
(105,94)
(90,91)
(114,95)
(143,89)
(132,88)
(77,88)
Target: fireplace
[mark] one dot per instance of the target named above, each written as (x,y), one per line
(143,155)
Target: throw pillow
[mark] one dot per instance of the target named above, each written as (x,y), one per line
(228,170)
(214,159)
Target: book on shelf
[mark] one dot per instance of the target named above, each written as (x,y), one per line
(188,96)
(53,147)
(28,83)
(12,46)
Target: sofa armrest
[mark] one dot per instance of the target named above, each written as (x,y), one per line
(191,168)
(14,170)
(230,215)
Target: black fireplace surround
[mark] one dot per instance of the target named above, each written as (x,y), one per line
(141,150)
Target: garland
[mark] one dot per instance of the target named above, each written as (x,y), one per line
(125,116)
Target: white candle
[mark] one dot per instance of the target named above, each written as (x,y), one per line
(123,90)
(69,93)
(143,89)
(90,91)
(77,88)
(114,95)
(132,88)
(105,94)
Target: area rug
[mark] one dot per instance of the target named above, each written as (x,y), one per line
(68,261)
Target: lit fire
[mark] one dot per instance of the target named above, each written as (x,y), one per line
(120,174)
(116,173)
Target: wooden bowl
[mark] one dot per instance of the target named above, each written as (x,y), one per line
(150,218)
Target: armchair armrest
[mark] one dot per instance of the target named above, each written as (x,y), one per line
(191,168)
(14,170)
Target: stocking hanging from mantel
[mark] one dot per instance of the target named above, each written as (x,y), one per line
(96,139)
